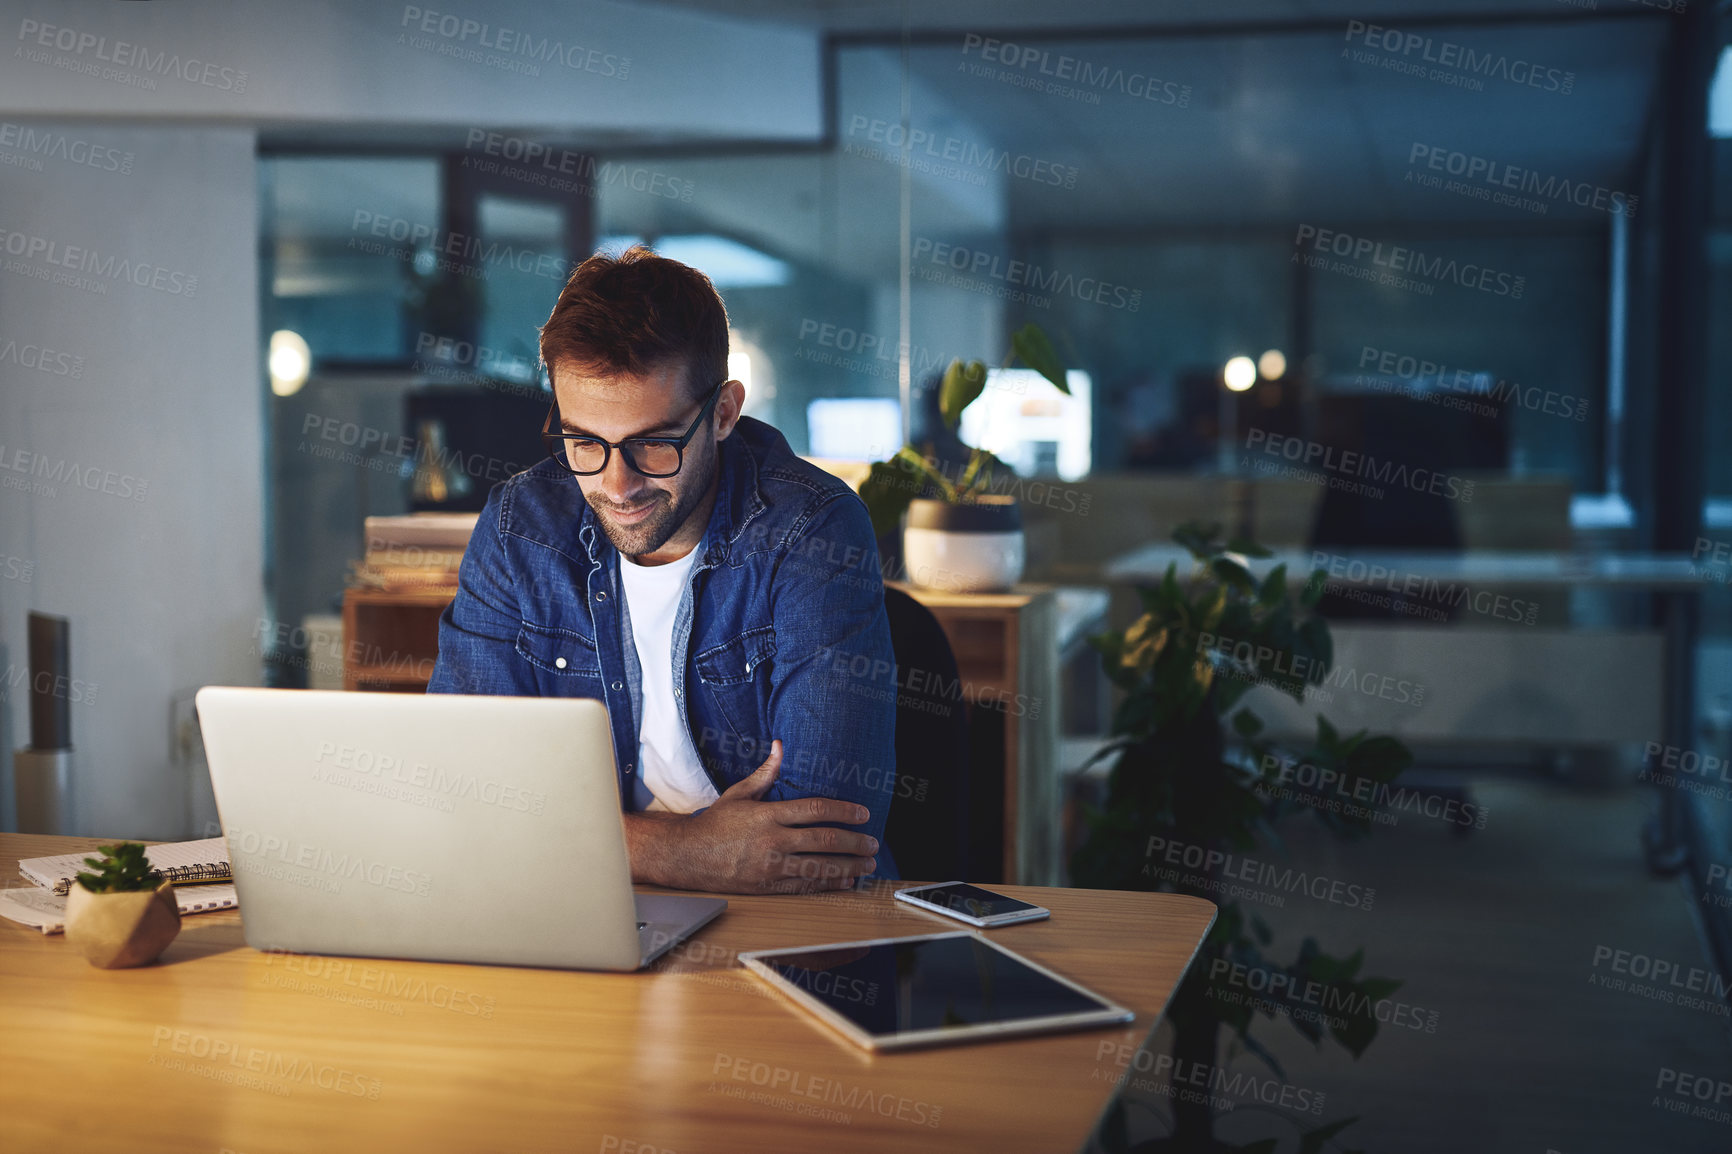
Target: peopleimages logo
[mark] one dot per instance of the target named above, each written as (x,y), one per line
(367,978)
(250,1060)
(36,473)
(35,144)
(277,855)
(419,775)
(1466,382)
(1659,980)
(122,55)
(1083,80)
(41,358)
(61,257)
(977,263)
(1256,662)
(1384,587)
(1220,867)
(781,1080)
(1458,64)
(1396,259)
(1348,463)
(1691,1094)
(873,354)
(1307,999)
(565,170)
(954,155)
(481,43)
(1381,799)
(1502,180)
(1200,1082)
(462,249)
(42,683)
(438,355)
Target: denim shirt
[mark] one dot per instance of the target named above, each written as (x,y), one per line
(780,633)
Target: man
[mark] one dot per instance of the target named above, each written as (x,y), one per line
(677,561)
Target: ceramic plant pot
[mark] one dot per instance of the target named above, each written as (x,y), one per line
(964,548)
(117,930)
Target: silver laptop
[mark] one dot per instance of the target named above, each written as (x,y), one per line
(436,827)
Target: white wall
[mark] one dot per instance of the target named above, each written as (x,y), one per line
(162,574)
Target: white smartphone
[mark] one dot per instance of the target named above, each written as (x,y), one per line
(971,904)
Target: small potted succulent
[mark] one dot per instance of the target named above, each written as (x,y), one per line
(961,536)
(121,915)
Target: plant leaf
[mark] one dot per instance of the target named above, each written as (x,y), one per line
(1199,538)
(887,492)
(1031,345)
(1234,574)
(1274,587)
(962,384)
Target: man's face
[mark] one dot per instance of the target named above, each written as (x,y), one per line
(640,514)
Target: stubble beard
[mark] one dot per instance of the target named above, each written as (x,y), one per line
(653,532)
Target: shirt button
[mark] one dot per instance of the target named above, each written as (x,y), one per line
(679,693)
(602,596)
(559,663)
(618,685)
(628,766)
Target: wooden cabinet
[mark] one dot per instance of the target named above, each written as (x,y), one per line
(391,637)
(1007,653)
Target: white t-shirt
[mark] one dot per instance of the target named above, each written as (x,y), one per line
(666,759)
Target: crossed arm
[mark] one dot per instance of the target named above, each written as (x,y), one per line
(742,844)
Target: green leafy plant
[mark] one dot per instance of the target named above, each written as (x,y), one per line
(124,870)
(1184,667)
(914,470)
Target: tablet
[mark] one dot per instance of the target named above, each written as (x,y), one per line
(933,989)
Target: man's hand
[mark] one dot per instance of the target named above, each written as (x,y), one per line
(741,845)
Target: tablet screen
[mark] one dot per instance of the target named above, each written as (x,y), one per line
(943,982)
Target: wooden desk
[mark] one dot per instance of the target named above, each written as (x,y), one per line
(219,1046)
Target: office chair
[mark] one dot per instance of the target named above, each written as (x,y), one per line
(927,830)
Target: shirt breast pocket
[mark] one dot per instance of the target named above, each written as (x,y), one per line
(560,652)
(737,660)
(735,676)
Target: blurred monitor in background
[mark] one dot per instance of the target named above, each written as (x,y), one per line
(854,428)
(1024,420)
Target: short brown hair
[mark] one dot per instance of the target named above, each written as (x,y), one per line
(635,313)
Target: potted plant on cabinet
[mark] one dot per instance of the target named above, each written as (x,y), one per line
(962,536)
(1184,668)
(120,915)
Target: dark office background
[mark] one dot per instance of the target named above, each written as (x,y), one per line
(762,140)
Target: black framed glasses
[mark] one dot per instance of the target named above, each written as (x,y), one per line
(650,456)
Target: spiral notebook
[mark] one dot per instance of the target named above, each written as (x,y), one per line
(184,863)
(46,910)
